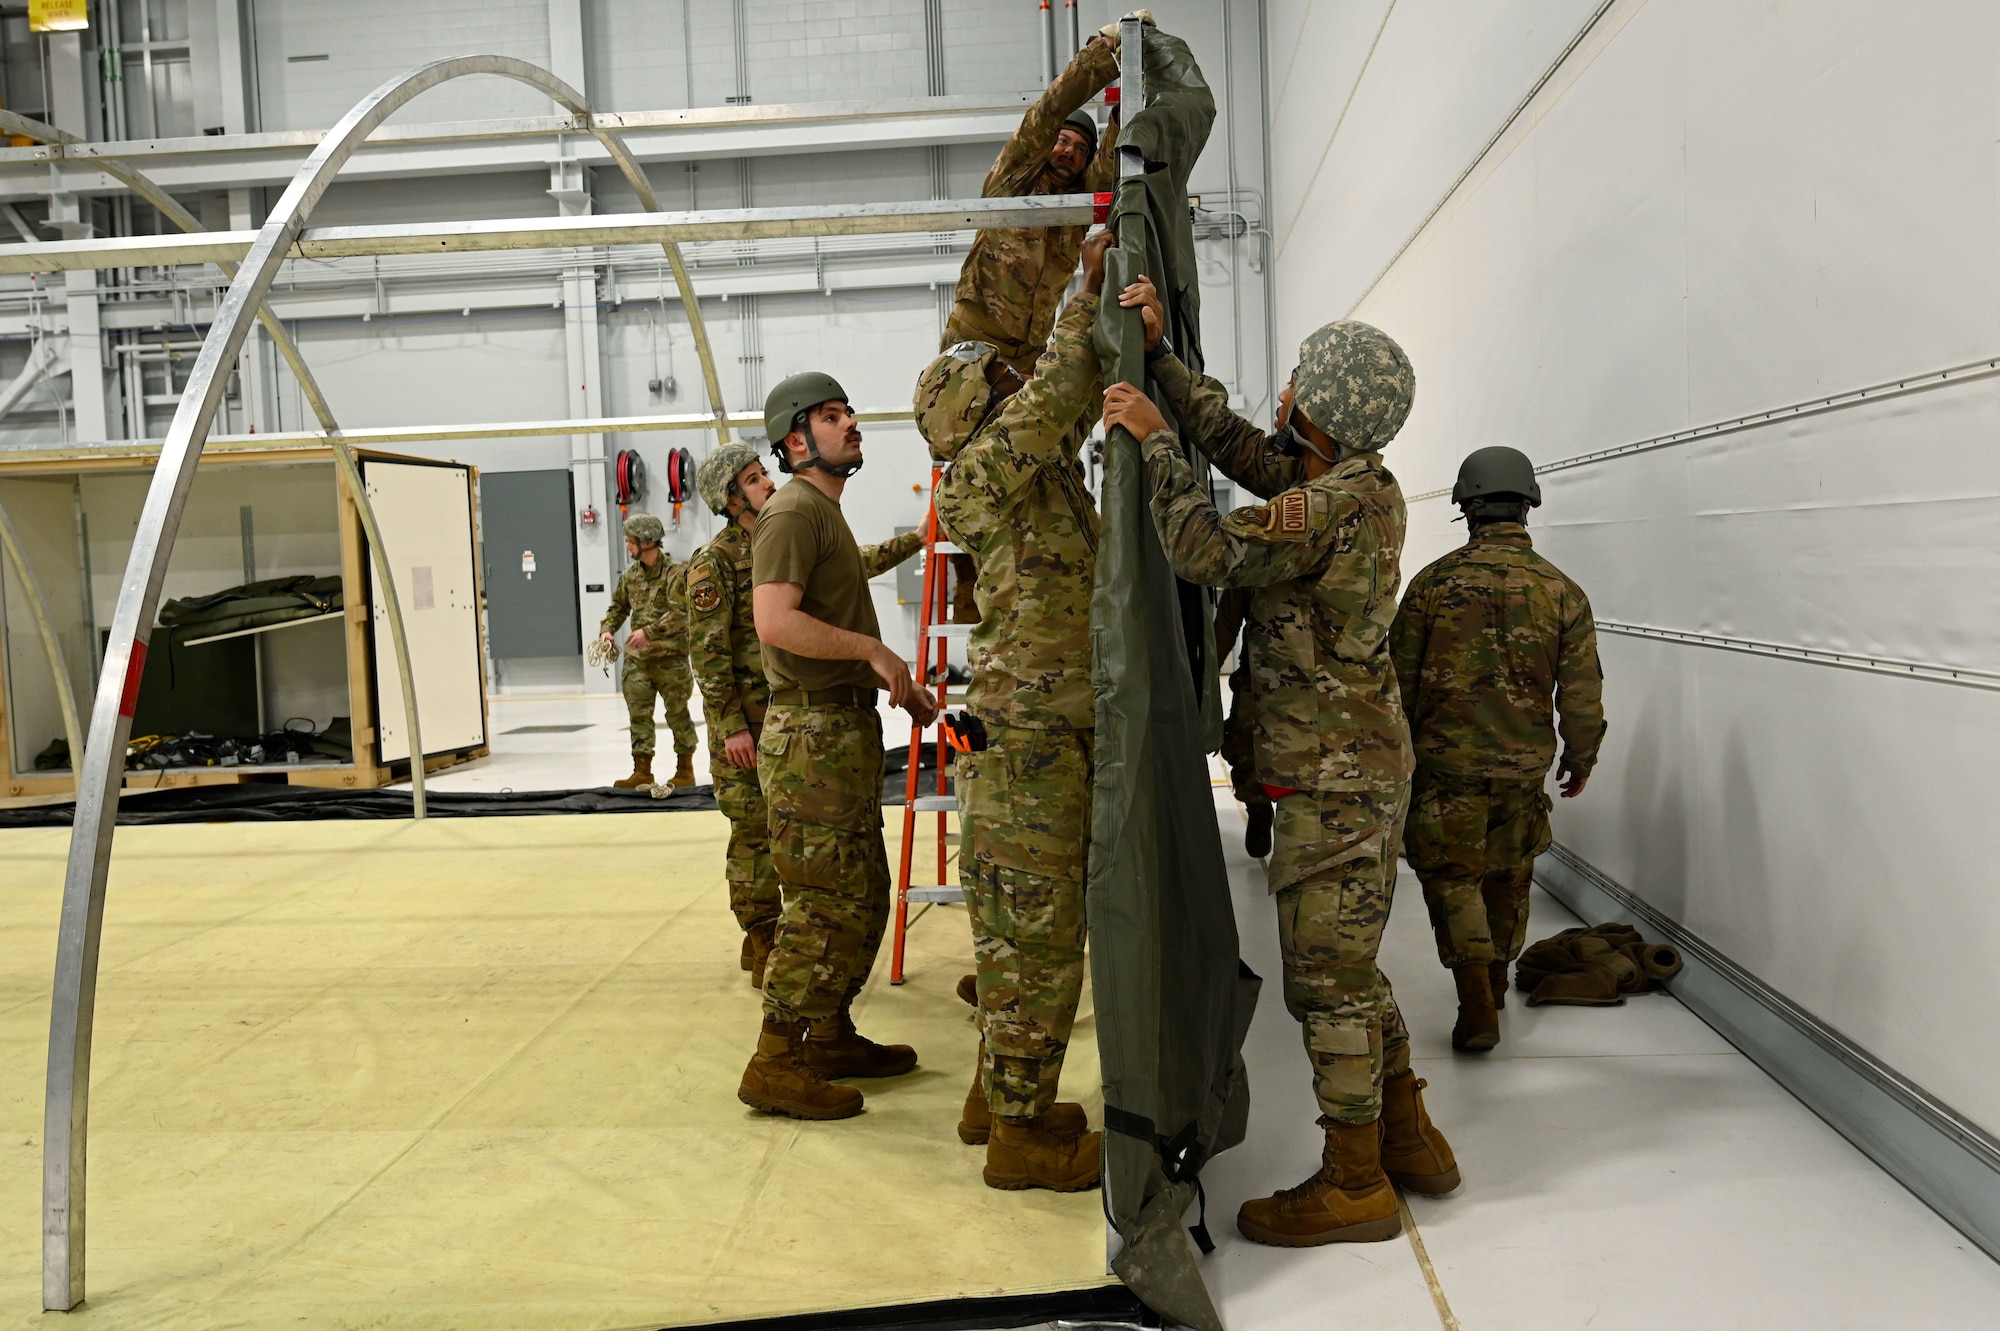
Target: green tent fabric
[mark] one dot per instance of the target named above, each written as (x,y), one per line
(253,605)
(1173,998)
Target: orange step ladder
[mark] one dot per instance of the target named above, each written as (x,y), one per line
(933,654)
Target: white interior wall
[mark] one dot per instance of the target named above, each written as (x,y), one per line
(1713,211)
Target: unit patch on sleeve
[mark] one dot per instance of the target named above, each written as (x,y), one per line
(704,594)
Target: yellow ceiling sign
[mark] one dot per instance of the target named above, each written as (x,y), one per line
(58,15)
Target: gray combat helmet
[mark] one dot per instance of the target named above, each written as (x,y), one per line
(1497,472)
(791,400)
(715,479)
(645,529)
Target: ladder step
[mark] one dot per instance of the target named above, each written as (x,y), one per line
(939,892)
(935,804)
(950,630)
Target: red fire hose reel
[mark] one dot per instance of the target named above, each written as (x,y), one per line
(631,469)
(680,479)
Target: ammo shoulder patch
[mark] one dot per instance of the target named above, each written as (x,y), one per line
(1292,514)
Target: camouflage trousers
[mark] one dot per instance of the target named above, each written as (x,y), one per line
(670,680)
(753,881)
(1473,842)
(1026,804)
(1239,742)
(1333,868)
(821,771)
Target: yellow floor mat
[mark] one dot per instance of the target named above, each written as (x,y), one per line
(481,1073)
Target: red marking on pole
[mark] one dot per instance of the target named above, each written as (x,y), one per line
(1100,207)
(135,670)
(1111,95)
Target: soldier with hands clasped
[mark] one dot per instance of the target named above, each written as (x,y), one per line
(656,650)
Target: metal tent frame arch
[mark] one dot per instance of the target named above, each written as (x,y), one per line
(100,774)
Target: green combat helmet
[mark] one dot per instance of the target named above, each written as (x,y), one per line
(785,407)
(1495,473)
(953,398)
(1354,383)
(715,480)
(645,529)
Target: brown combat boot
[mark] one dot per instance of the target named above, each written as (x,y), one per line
(758,941)
(835,1049)
(1033,1153)
(1348,1201)
(778,1081)
(1478,1028)
(968,989)
(1498,972)
(1415,1154)
(1065,1118)
(642,773)
(683,776)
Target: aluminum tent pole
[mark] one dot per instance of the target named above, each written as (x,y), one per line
(38,607)
(171,209)
(66,1110)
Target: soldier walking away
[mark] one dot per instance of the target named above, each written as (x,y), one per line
(1238,751)
(656,663)
(1014,496)
(1486,637)
(728,666)
(1013,279)
(1331,746)
(819,759)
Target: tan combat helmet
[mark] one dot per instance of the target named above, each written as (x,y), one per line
(715,479)
(645,529)
(953,398)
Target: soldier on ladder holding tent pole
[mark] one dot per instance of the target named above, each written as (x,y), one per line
(1013,495)
(729,667)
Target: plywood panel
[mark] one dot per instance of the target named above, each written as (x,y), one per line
(425,514)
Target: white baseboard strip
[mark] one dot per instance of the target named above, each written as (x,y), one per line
(1951,1164)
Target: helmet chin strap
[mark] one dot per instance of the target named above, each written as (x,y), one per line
(813,459)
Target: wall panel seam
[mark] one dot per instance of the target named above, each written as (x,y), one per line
(1881,665)
(1903,386)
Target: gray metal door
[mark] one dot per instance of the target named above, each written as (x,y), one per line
(527,520)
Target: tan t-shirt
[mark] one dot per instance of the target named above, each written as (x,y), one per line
(803,537)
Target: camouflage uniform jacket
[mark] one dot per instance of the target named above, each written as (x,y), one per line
(722,635)
(655,599)
(1486,636)
(1014,278)
(1014,498)
(1323,557)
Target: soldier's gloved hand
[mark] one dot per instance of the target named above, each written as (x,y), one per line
(740,749)
(1110,30)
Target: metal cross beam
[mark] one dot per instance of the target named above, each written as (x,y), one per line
(534,233)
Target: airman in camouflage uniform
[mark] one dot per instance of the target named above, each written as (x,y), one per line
(651,593)
(1492,643)
(1239,750)
(1014,278)
(1013,495)
(819,760)
(1330,741)
(729,668)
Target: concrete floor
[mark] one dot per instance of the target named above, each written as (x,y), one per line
(1624,1167)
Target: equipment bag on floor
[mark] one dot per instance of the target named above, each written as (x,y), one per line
(1173,999)
(1593,967)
